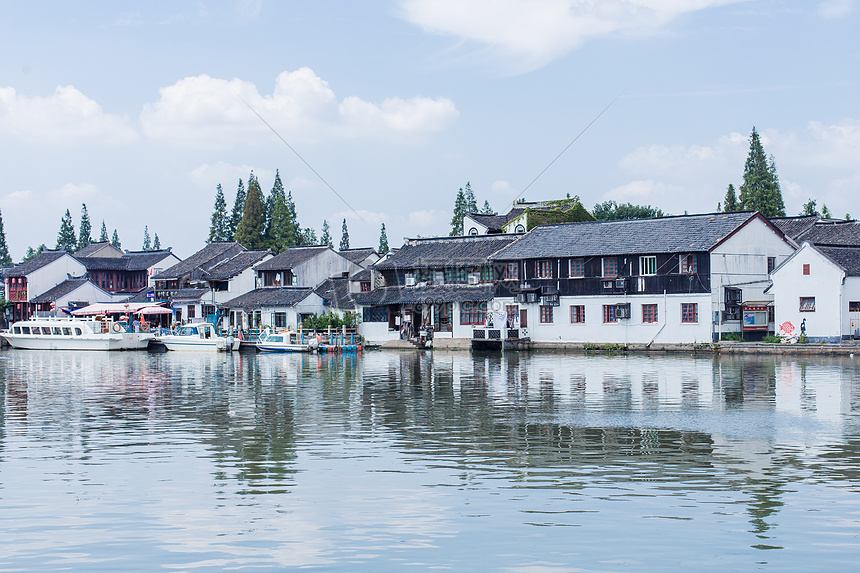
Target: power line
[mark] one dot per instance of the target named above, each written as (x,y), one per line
(513,203)
(345,202)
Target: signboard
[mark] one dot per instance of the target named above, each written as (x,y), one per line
(755,318)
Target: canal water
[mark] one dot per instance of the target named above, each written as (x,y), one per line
(388,461)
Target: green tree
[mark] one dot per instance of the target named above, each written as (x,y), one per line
(115,240)
(383,241)
(219,223)
(809,208)
(31,252)
(238,211)
(147,242)
(344,237)
(460,206)
(326,235)
(66,238)
(5,259)
(156,243)
(307,238)
(293,220)
(281,233)
(760,190)
(86,229)
(275,197)
(250,232)
(730,203)
(612,211)
(469,197)
(487,210)
(103,237)
(825,212)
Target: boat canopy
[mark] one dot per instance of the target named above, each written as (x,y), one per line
(154,310)
(112,308)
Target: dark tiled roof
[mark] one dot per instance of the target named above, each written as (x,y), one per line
(92,248)
(140,260)
(198,264)
(140,296)
(34,264)
(686,233)
(846,257)
(424,295)
(281,296)
(446,252)
(236,264)
(190,294)
(491,222)
(60,290)
(335,292)
(127,262)
(357,255)
(795,226)
(291,258)
(362,275)
(833,234)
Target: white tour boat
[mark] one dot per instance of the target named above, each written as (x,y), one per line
(286,341)
(198,336)
(72,333)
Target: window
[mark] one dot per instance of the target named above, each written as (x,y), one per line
(190,311)
(689,312)
(688,264)
(473,312)
(806,268)
(67,331)
(610,267)
(487,274)
(26,330)
(649,313)
(17,330)
(577,314)
(280,320)
(456,275)
(365,286)
(546,314)
(771,264)
(577,268)
(544,269)
(853,306)
(609,313)
(512,271)
(647,266)
(807,304)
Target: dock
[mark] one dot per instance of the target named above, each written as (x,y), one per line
(492,338)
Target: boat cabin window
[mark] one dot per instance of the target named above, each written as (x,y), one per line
(36,330)
(17,330)
(77,332)
(56,330)
(188,331)
(67,331)
(46,330)
(275,338)
(25,329)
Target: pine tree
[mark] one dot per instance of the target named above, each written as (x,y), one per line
(293,220)
(825,212)
(115,240)
(459,213)
(147,243)
(344,237)
(809,208)
(5,259)
(250,231)
(469,196)
(86,228)
(760,190)
(103,237)
(308,238)
(487,210)
(326,235)
(730,203)
(383,241)
(280,230)
(66,239)
(31,252)
(156,244)
(238,211)
(219,224)
(271,200)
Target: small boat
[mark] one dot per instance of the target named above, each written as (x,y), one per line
(198,336)
(72,333)
(286,341)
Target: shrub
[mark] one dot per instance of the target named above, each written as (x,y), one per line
(771,339)
(732,336)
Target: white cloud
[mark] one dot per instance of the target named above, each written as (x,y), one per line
(835,8)
(534,32)
(646,191)
(65,117)
(210,112)
(228,175)
(426,219)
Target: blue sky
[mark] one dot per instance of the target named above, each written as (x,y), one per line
(136,108)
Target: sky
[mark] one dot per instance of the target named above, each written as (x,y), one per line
(378,112)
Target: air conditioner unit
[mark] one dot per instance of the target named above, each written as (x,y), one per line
(620,283)
(622,310)
(473,280)
(410,281)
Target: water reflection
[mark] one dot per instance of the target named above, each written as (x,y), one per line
(392,458)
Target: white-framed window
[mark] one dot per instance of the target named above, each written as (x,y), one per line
(807,304)
(648,265)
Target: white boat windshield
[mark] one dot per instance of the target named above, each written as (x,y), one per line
(187,331)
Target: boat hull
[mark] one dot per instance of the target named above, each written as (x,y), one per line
(123,341)
(263,347)
(197,344)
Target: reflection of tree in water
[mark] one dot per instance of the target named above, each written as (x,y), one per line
(764,504)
